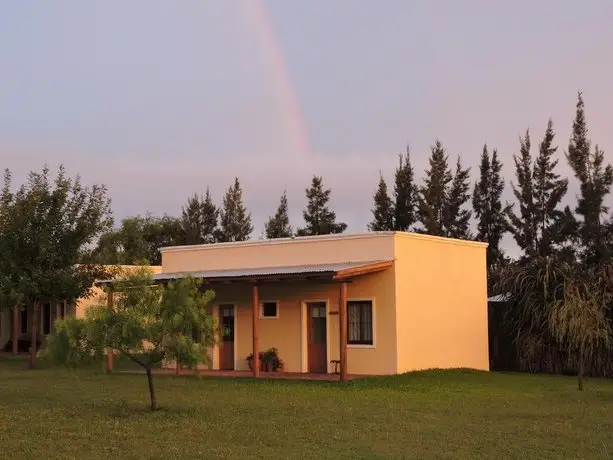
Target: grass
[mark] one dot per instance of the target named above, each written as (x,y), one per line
(57,413)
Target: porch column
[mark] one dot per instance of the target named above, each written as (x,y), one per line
(255,331)
(15,331)
(109,351)
(342,317)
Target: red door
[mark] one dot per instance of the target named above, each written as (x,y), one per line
(317,337)
(226,344)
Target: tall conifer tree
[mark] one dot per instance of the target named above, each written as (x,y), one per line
(488,208)
(595,179)
(405,194)
(383,211)
(278,225)
(319,218)
(235,221)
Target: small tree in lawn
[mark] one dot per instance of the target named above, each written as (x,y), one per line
(579,320)
(149,323)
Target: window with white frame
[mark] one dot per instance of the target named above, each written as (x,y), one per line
(359,322)
(269,309)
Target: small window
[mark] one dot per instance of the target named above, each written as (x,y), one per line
(269,310)
(359,323)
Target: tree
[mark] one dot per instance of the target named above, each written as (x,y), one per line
(549,190)
(139,238)
(432,195)
(579,320)
(538,228)
(595,179)
(319,219)
(383,212)
(46,226)
(235,222)
(278,225)
(199,219)
(442,197)
(456,219)
(405,194)
(488,208)
(523,226)
(149,323)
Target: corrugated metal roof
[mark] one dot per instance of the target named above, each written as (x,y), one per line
(321,269)
(499,298)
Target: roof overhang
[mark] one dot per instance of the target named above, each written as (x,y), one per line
(324,273)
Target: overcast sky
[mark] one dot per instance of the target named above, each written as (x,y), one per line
(159,99)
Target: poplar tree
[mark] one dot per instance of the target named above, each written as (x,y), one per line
(405,194)
(487,206)
(235,221)
(319,218)
(595,179)
(383,211)
(278,225)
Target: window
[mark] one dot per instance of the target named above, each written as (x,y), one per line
(359,322)
(269,310)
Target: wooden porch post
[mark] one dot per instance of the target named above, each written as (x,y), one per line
(15,331)
(109,351)
(255,331)
(342,317)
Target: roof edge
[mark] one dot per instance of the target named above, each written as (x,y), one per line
(441,239)
(280,241)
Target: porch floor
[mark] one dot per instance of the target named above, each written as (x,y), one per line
(248,374)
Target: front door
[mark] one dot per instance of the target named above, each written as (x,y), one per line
(226,344)
(317,337)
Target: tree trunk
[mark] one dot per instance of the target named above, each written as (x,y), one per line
(580,372)
(34,333)
(154,403)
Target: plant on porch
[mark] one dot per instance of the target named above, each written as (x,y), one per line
(148,323)
(269,360)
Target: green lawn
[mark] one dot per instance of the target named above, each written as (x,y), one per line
(56,413)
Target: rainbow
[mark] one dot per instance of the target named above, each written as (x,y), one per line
(291,113)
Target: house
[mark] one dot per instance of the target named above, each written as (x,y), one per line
(18,322)
(374,303)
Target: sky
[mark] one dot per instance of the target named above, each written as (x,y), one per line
(159,100)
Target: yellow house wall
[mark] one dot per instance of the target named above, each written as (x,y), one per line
(441,303)
(281,252)
(288,332)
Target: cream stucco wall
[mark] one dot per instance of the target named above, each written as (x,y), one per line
(282,252)
(441,303)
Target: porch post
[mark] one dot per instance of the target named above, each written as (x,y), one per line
(109,351)
(342,317)
(15,331)
(255,331)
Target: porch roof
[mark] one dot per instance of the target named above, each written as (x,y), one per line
(321,272)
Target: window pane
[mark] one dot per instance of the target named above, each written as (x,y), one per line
(269,309)
(359,323)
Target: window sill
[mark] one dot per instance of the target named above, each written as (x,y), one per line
(361,346)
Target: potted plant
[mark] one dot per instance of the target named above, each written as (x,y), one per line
(261,359)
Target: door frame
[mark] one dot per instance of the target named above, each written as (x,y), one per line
(216,355)
(304,324)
